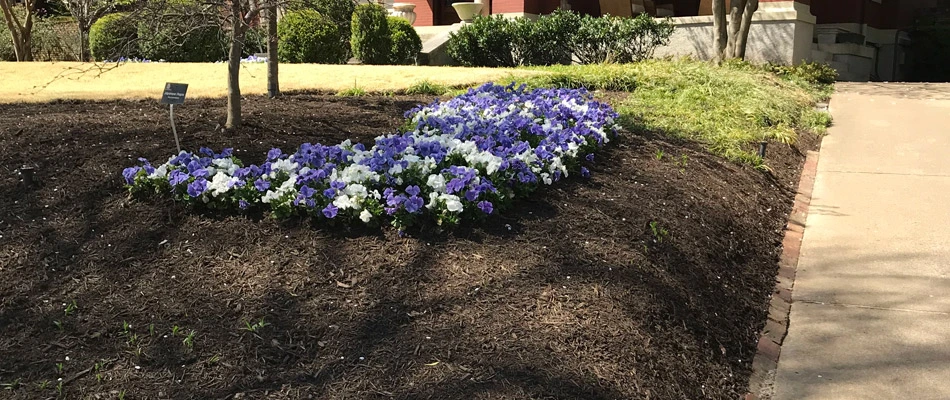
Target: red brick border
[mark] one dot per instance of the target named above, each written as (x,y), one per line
(776,327)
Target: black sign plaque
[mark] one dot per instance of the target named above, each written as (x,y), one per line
(174,93)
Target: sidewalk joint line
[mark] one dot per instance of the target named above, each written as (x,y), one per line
(887,173)
(872,307)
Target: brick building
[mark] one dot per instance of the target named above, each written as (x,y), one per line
(863,39)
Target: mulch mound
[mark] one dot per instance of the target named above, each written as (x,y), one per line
(651,279)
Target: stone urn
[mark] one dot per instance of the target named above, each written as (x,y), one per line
(405,11)
(468,11)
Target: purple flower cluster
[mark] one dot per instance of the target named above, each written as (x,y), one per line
(463,157)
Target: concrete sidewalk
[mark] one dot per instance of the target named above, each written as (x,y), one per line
(870,317)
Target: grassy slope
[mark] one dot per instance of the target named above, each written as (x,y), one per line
(88,81)
(727,108)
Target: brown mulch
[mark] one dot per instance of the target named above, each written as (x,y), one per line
(568,295)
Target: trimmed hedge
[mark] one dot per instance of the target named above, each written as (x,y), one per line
(111,37)
(486,42)
(547,41)
(306,36)
(406,43)
(370,40)
(553,39)
(621,40)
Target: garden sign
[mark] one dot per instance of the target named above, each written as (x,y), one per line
(174,94)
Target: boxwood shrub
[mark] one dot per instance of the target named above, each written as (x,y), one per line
(406,43)
(111,37)
(306,36)
(486,42)
(370,41)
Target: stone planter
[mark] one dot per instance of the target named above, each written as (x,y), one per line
(468,11)
(405,11)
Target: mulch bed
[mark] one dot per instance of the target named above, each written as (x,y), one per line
(568,295)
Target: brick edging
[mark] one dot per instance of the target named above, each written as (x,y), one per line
(773,334)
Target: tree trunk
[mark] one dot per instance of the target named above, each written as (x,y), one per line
(720,30)
(24,49)
(736,11)
(273,88)
(743,38)
(22,35)
(84,43)
(234,70)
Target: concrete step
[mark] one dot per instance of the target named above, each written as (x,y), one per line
(820,56)
(847,48)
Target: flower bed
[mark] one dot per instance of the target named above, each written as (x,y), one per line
(463,158)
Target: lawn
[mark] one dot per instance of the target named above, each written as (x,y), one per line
(649,279)
(41,82)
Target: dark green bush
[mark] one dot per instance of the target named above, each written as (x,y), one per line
(486,42)
(815,73)
(181,31)
(111,37)
(547,41)
(370,40)
(338,11)
(255,41)
(621,40)
(406,43)
(306,36)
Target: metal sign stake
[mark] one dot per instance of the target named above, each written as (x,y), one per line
(171,116)
(174,94)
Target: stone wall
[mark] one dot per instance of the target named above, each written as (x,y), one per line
(781,32)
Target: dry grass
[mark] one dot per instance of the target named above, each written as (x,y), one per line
(40,82)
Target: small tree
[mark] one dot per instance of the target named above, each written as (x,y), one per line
(729,41)
(86,13)
(21,27)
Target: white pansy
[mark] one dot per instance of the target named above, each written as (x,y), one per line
(436,182)
(546,178)
(159,172)
(396,169)
(452,202)
(220,184)
(355,189)
(287,166)
(284,188)
(366,216)
(345,202)
(226,165)
(433,200)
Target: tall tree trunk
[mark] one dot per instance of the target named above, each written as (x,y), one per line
(743,38)
(238,29)
(22,35)
(84,54)
(720,30)
(736,11)
(273,88)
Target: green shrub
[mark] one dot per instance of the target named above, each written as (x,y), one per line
(427,88)
(486,42)
(7,53)
(406,43)
(181,31)
(340,12)
(306,36)
(547,41)
(622,40)
(55,39)
(370,40)
(255,41)
(111,37)
(815,73)
(174,43)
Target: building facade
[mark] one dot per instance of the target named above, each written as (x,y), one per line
(862,39)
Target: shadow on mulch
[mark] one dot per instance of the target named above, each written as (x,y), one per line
(574,293)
